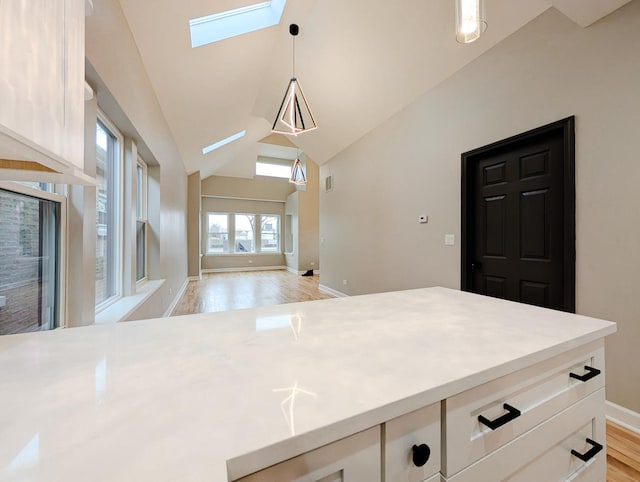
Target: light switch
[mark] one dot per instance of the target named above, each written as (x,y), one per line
(449,239)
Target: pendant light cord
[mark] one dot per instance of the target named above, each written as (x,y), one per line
(293,40)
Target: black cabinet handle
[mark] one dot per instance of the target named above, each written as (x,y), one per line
(591,372)
(512,413)
(421,454)
(596,447)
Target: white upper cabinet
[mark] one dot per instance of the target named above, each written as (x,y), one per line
(42,88)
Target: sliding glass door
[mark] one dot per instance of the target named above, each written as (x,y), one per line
(29,263)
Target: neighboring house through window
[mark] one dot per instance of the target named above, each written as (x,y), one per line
(242,233)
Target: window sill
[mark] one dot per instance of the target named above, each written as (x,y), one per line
(125,306)
(242,254)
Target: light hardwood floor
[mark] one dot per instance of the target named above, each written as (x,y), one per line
(230,291)
(623,454)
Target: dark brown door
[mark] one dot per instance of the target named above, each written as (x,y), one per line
(519,239)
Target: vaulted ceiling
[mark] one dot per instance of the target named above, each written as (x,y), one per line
(359,62)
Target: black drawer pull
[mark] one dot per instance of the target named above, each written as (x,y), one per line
(511,414)
(591,372)
(421,454)
(596,447)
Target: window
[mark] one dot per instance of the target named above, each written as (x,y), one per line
(217,233)
(269,234)
(237,21)
(273,170)
(235,233)
(141,220)
(223,142)
(245,233)
(30,238)
(108,217)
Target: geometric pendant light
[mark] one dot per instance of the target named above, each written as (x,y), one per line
(470,20)
(297,173)
(294,116)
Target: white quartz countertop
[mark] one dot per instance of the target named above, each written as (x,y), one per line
(188,398)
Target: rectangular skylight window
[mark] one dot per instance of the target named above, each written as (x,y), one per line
(230,23)
(273,170)
(223,142)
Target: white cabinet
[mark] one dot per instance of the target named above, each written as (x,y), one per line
(517,402)
(550,451)
(412,445)
(524,426)
(553,429)
(42,88)
(352,459)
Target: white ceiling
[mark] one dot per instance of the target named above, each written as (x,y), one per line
(358,61)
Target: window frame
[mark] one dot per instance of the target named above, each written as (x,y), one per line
(118,190)
(62,268)
(143,197)
(231,234)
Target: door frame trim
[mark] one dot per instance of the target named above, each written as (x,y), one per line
(567,128)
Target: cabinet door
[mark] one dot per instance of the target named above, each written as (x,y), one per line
(352,459)
(42,79)
(420,429)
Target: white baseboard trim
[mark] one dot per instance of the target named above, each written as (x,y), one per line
(293,271)
(233,270)
(194,278)
(623,416)
(175,301)
(331,291)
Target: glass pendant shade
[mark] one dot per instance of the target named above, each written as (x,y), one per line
(294,115)
(470,20)
(297,173)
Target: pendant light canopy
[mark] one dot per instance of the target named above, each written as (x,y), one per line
(470,20)
(297,173)
(294,116)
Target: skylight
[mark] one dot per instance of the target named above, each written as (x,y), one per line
(223,142)
(230,23)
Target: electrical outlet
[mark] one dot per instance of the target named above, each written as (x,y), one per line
(312,263)
(170,291)
(344,282)
(250,261)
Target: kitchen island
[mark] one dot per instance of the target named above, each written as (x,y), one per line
(221,396)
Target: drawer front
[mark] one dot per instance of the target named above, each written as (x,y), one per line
(435,478)
(544,453)
(401,434)
(537,393)
(352,459)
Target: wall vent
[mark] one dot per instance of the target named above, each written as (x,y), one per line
(328,183)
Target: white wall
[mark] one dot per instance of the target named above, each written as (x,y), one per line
(309,220)
(131,103)
(410,165)
(291,207)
